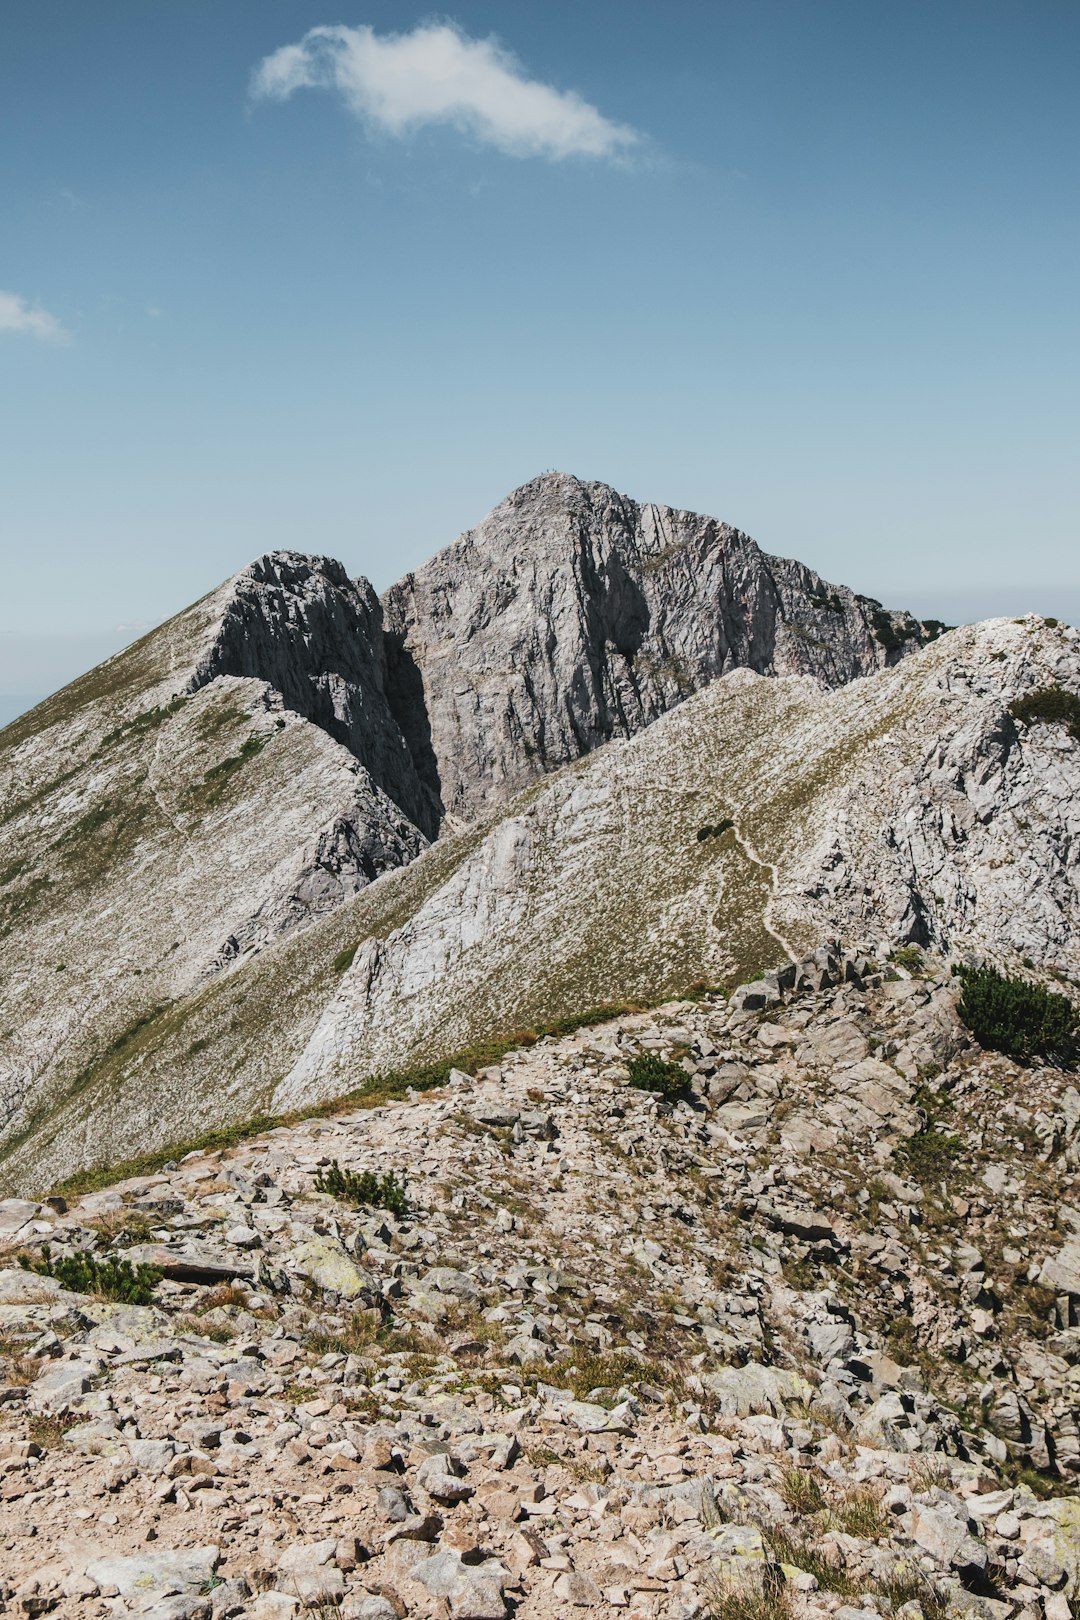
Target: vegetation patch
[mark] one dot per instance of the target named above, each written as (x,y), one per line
(715,829)
(149,720)
(648,1072)
(882,628)
(344,959)
(110,1278)
(1019,1018)
(1050,704)
(218,777)
(364,1189)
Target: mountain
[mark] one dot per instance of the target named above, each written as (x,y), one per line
(297,836)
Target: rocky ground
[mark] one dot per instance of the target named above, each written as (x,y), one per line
(803,1343)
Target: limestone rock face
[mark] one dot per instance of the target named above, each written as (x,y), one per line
(572,616)
(315,636)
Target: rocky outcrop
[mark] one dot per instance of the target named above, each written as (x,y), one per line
(572,616)
(305,628)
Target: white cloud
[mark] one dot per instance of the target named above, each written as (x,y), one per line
(438,75)
(16,315)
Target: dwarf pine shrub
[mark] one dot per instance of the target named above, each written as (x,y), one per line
(648,1072)
(715,829)
(109,1278)
(364,1189)
(1019,1018)
(1051,704)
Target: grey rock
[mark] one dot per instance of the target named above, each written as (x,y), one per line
(474,1591)
(573,615)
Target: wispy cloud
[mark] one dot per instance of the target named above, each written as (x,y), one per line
(16,315)
(438,75)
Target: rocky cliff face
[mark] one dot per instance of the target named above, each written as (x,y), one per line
(756,819)
(572,616)
(569,617)
(316,637)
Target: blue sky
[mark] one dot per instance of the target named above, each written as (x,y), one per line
(808,265)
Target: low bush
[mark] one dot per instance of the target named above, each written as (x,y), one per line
(1018,1018)
(364,1189)
(715,829)
(665,1079)
(109,1278)
(1050,704)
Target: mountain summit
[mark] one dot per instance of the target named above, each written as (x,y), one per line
(569,616)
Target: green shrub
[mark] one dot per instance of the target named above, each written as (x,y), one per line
(715,830)
(1050,704)
(882,627)
(109,1278)
(365,1189)
(344,959)
(908,956)
(647,1072)
(1019,1018)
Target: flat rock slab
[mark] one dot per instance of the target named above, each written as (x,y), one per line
(157,1574)
(191,1264)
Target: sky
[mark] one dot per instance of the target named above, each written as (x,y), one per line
(276,273)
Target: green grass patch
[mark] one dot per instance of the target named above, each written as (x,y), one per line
(929,1155)
(149,720)
(211,790)
(344,959)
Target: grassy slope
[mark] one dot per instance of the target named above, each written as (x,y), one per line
(136,827)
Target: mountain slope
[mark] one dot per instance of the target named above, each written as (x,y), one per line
(907,806)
